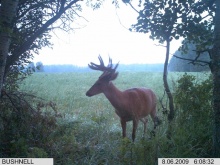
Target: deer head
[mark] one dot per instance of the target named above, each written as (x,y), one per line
(109,74)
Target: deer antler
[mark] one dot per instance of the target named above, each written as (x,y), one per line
(102,67)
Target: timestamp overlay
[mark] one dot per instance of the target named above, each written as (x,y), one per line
(189,161)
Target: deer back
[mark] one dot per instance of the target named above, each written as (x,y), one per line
(137,103)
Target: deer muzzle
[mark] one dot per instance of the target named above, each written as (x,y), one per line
(88,94)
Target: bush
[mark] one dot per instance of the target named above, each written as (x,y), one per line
(193,116)
(25,130)
(36,130)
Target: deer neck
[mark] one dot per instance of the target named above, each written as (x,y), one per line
(113,94)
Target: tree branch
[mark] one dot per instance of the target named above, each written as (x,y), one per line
(27,43)
(193,60)
(133,7)
(160,45)
(80,16)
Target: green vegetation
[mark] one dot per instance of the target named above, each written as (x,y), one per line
(89,131)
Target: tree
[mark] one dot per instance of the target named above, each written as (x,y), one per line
(39,67)
(7,14)
(215,68)
(156,19)
(25,28)
(30,67)
(199,23)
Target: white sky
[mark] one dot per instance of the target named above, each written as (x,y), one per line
(104,34)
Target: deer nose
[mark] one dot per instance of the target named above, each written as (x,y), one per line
(88,94)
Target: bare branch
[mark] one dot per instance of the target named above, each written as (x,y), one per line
(193,61)
(160,45)
(120,20)
(202,51)
(80,16)
(133,7)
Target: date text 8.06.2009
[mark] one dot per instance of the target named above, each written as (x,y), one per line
(189,161)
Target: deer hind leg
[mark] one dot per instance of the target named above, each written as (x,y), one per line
(123,125)
(144,120)
(135,125)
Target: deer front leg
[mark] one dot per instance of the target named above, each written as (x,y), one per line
(144,120)
(123,125)
(135,125)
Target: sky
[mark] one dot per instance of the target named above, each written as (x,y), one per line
(104,32)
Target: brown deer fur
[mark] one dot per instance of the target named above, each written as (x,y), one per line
(130,105)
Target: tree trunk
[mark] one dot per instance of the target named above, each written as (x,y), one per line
(167,89)
(216,81)
(7,13)
(166,85)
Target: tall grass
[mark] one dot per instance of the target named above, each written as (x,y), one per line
(90,130)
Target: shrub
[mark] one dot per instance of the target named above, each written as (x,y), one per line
(193,116)
(25,130)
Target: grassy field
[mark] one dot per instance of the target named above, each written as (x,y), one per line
(68,90)
(93,127)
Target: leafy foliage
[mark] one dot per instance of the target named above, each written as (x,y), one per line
(168,20)
(192,20)
(39,67)
(25,130)
(194,115)
(32,130)
(31,32)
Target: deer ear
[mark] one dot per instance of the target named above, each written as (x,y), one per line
(114,76)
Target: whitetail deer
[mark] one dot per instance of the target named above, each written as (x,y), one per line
(132,104)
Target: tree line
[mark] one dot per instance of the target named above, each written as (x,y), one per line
(40,67)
